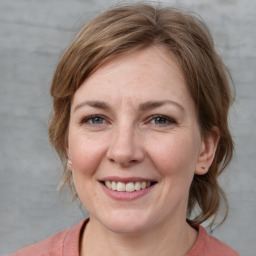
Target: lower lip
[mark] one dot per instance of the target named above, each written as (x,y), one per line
(126,196)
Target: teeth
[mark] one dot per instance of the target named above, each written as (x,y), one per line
(120,186)
(143,184)
(137,185)
(108,184)
(127,187)
(113,185)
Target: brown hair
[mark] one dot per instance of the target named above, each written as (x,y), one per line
(126,29)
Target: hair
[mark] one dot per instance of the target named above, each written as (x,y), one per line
(126,29)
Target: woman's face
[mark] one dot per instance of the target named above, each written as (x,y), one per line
(134,142)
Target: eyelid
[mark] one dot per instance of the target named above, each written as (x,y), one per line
(90,117)
(169,119)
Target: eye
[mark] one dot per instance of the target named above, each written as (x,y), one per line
(94,120)
(161,120)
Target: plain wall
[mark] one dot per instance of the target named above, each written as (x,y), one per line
(33,35)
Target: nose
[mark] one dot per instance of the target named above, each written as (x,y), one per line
(126,148)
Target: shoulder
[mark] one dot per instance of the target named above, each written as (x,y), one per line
(63,243)
(210,246)
(52,245)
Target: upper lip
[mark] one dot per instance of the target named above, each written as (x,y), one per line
(126,179)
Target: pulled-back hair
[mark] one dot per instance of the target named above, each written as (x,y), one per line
(126,29)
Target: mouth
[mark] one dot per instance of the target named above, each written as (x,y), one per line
(129,186)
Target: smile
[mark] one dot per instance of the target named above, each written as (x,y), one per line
(127,187)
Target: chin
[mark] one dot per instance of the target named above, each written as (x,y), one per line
(125,223)
(124,227)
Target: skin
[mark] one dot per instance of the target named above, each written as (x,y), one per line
(128,137)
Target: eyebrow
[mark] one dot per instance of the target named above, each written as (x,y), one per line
(155,104)
(142,107)
(93,104)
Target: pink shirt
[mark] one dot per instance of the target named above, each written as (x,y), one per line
(66,243)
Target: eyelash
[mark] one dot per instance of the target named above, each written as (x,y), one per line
(163,117)
(168,120)
(91,118)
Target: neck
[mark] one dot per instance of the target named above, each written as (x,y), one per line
(173,239)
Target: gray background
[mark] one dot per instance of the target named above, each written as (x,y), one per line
(33,34)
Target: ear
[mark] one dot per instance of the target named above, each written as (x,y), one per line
(207,151)
(69,162)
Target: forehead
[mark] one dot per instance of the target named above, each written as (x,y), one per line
(149,74)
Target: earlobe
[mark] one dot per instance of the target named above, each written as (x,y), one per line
(201,170)
(207,153)
(69,162)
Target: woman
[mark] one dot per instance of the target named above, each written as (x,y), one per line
(141,101)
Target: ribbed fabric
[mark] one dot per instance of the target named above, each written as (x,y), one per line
(66,243)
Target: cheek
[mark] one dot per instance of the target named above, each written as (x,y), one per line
(86,154)
(175,155)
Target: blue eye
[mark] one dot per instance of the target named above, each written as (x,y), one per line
(161,120)
(94,119)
